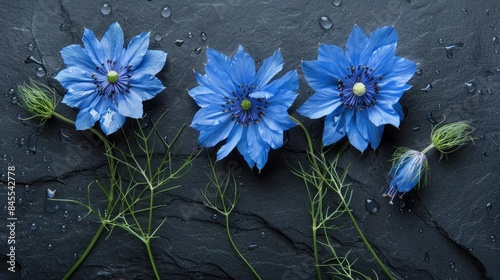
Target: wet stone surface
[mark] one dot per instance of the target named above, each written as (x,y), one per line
(448,230)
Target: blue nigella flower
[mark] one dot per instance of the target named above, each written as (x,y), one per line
(409,166)
(358,91)
(108,82)
(242,106)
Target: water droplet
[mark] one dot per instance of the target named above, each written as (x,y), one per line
(252,246)
(419,72)
(27,188)
(438,72)
(79,218)
(31,46)
(203,36)
(12,91)
(465,11)
(166,12)
(488,12)
(32,59)
(63,228)
(22,141)
(427,88)
(471,86)
(63,137)
(5,157)
(431,118)
(40,72)
(336,3)
(426,256)
(489,206)
(214,217)
(49,168)
(415,128)
(33,227)
(13,100)
(372,206)
(497,69)
(157,37)
(495,40)
(441,41)
(190,35)
(63,27)
(325,22)
(179,42)
(492,25)
(197,50)
(452,265)
(51,206)
(420,229)
(33,138)
(66,213)
(50,247)
(451,48)
(493,238)
(263,234)
(106,9)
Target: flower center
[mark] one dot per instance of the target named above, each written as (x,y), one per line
(246,104)
(112,76)
(359,89)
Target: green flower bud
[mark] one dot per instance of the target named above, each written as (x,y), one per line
(38,99)
(450,137)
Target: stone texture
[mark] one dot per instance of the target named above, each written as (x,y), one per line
(443,231)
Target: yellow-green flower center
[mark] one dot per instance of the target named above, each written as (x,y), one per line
(112,76)
(359,89)
(246,104)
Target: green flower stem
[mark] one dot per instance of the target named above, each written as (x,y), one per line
(428,148)
(367,243)
(151,258)
(111,162)
(318,211)
(315,211)
(236,248)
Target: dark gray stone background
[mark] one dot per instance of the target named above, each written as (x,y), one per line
(444,231)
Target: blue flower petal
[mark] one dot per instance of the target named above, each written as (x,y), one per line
(152,62)
(76,56)
(130,105)
(399,110)
(111,121)
(320,74)
(211,135)
(283,98)
(257,149)
(391,92)
(382,60)
(243,148)
(383,113)
(243,67)
(86,118)
(210,115)
(270,67)
(75,77)
(135,51)
(273,138)
(146,86)
(221,63)
(402,71)
(368,130)
(261,94)
(112,41)
(321,103)
(334,129)
(205,96)
(356,47)
(382,36)
(355,137)
(277,118)
(336,59)
(93,47)
(231,142)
